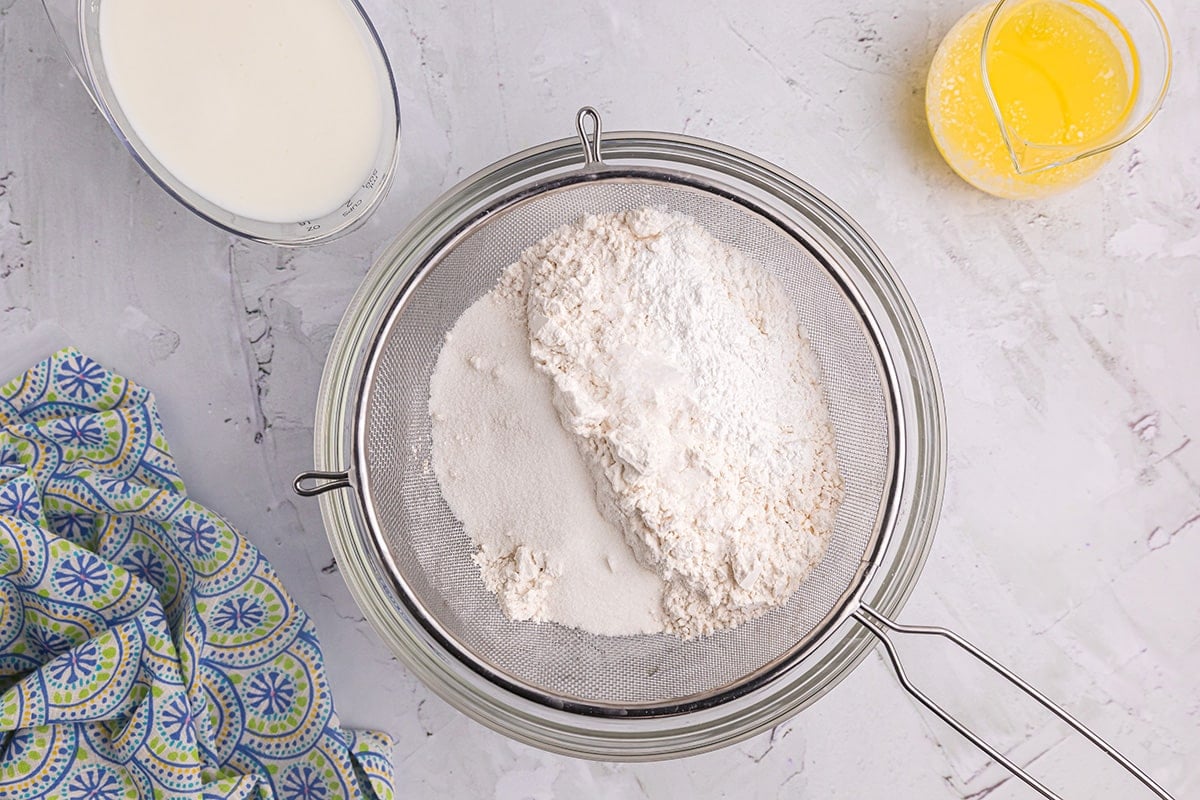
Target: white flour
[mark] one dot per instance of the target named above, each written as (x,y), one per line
(681,373)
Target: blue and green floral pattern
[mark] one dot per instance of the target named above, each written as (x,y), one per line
(147,650)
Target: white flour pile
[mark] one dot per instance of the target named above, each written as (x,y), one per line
(680,370)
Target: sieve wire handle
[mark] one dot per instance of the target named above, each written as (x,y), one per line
(588,126)
(879,625)
(315,482)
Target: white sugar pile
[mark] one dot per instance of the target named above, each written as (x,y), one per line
(512,475)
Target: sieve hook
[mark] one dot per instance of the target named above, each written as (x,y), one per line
(591,141)
(879,625)
(315,482)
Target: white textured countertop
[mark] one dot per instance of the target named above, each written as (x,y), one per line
(1067,332)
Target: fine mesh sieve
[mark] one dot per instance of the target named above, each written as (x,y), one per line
(432,554)
(408,561)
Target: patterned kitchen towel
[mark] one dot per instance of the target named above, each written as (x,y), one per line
(147,650)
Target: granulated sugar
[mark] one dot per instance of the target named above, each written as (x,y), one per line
(512,475)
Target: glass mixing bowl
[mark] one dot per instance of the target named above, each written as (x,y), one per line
(76,23)
(366,468)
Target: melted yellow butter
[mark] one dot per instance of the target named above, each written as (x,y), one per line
(1058,75)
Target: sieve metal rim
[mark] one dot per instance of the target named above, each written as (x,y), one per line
(558,728)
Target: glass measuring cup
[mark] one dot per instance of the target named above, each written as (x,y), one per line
(76,25)
(1026,97)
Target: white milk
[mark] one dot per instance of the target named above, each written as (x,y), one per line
(271,109)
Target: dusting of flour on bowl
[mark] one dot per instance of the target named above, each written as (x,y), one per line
(679,413)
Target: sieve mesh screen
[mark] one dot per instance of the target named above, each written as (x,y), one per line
(431,552)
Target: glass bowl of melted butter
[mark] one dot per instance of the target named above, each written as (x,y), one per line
(276,120)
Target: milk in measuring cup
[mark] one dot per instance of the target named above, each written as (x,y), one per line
(268,108)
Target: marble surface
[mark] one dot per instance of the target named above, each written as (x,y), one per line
(1067,332)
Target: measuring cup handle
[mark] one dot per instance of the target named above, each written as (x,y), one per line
(879,625)
(63,16)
